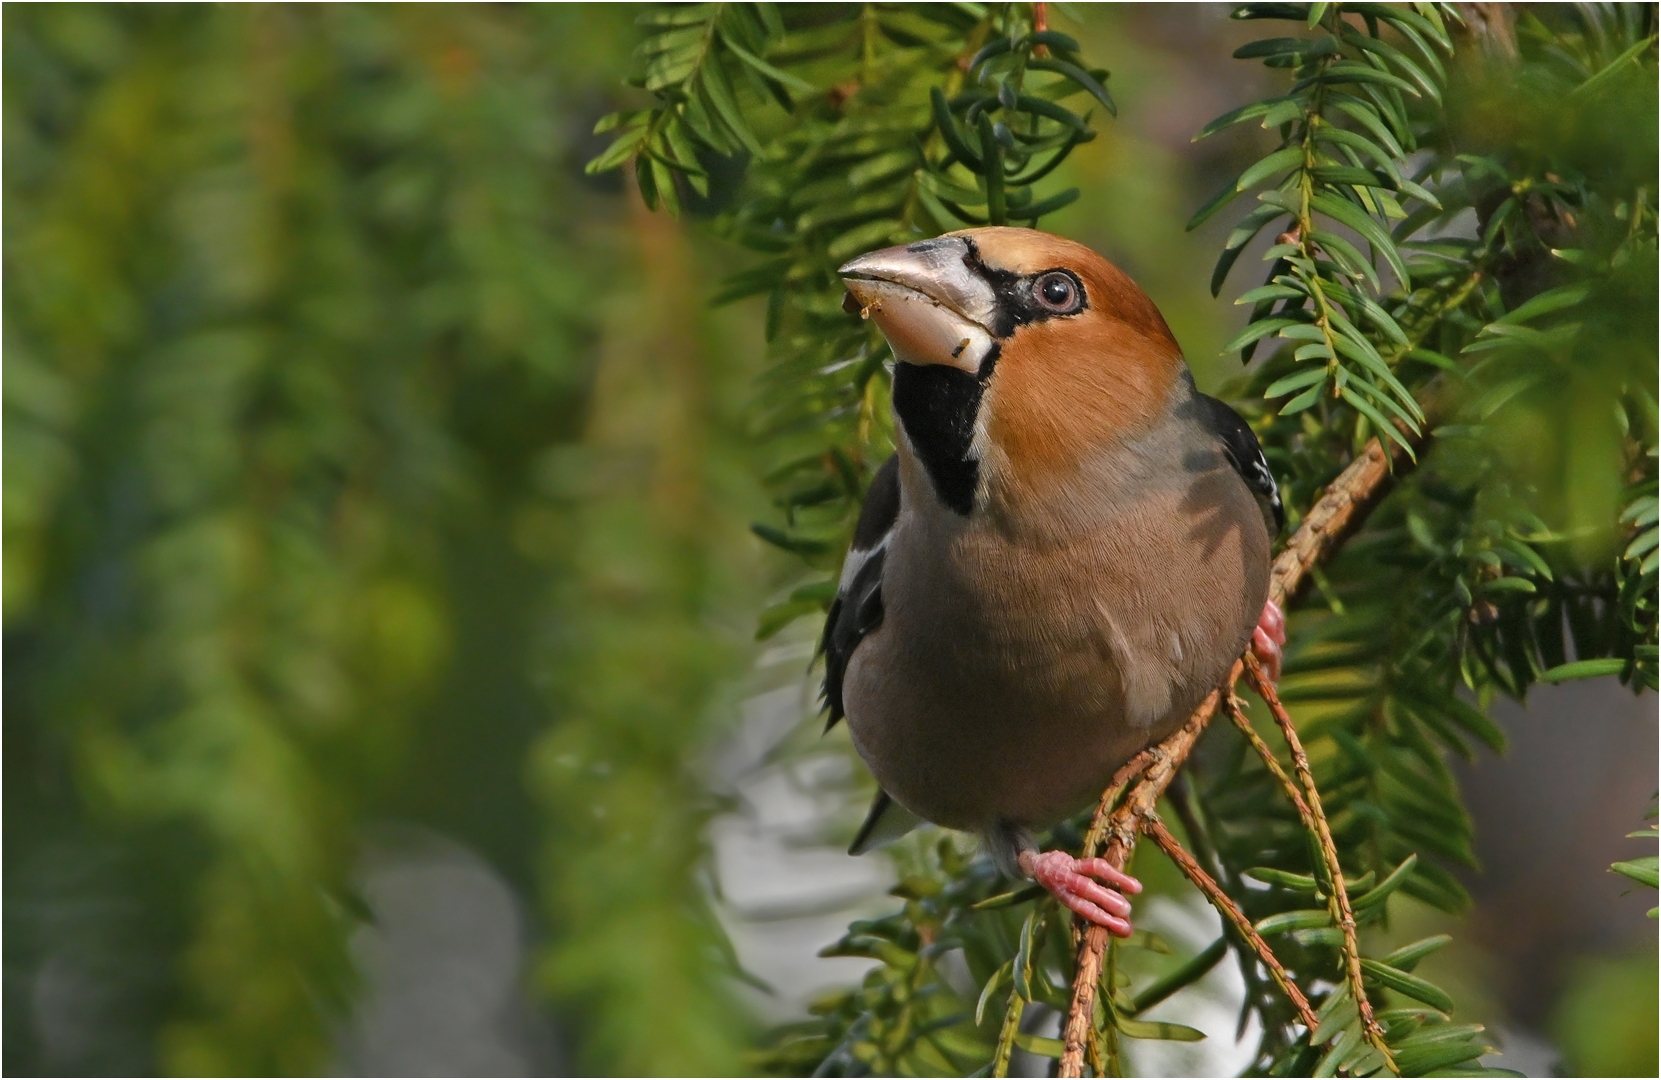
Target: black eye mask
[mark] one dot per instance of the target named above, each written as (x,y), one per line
(1017,303)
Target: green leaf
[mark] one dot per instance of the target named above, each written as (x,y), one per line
(1390,884)
(1237,116)
(1271,292)
(1361,222)
(1604,77)
(1338,1013)
(863,238)
(1643,870)
(1237,240)
(1286,385)
(881,167)
(949,131)
(1186,975)
(677,15)
(1328,937)
(1022,964)
(1383,427)
(1261,329)
(1364,114)
(1583,669)
(1042,1047)
(1301,402)
(1338,175)
(1428,1059)
(1338,136)
(779,616)
(1009,899)
(1048,206)
(1410,985)
(1408,956)
(1548,301)
(1309,919)
(621,149)
(1351,71)
(717,93)
(796,545)
(1080,76)
(764,67)
(1325,45)
(1225,195)
(1154,1029)
(997,979)
(1389,53)
(1508,584)
(1281,159)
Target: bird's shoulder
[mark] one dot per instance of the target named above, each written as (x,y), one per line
(1243,452)
(857,609)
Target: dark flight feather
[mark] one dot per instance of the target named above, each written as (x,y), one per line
(857,609)
(1241,448)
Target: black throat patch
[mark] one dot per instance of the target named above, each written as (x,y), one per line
(938,405)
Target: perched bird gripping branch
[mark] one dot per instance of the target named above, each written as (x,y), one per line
(1066,554)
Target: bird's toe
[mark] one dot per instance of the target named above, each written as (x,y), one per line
(1268,637)
(1069,880)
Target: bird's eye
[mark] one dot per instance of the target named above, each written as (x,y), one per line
(1056,291)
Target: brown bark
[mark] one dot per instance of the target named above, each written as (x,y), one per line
(1159,834)
(1339,903)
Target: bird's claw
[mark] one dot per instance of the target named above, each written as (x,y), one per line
(1069,880)
(1267,639)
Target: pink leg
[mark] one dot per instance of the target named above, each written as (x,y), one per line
(1267,639)
(1069,880)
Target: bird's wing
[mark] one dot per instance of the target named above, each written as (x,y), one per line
(857,609)
(887,821)
(1241,448)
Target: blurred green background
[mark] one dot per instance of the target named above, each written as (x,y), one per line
(376,495)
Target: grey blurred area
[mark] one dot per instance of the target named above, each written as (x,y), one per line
(1551,814)
(444,966)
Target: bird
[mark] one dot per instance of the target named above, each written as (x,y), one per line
(1065,554)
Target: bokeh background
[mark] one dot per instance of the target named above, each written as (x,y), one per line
(381,692)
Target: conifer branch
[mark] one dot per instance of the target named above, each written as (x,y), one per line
(1237,714)
(1156,831)
(1338,900)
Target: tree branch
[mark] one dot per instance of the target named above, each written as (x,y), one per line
(1315,817)
(1156,831)
(1337,514)
(1238,715)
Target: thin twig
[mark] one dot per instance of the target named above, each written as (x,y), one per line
(1341,509)
(1129,771)
(1156,830)
(1238,715)
(1184,801)
(1120,831)
(1006,1034)
(1338,897)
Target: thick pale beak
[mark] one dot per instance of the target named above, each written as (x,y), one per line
(928,303)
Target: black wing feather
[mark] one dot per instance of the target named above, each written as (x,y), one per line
(857,609)
(1241,447)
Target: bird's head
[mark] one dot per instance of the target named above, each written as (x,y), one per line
(1054,349)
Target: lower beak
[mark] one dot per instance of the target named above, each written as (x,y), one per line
(928,303)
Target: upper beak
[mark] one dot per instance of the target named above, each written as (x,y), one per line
(929,304)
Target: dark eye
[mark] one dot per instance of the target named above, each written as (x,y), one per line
(1056,291)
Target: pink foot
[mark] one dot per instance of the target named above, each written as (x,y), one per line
(1069,880)
(1267,639)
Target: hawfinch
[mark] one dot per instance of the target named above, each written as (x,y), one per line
(1065,555)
